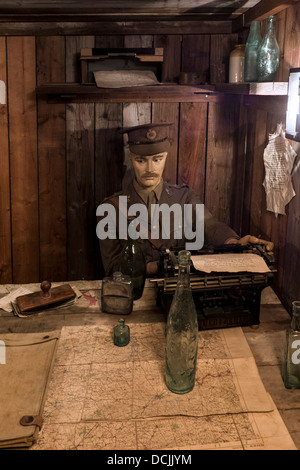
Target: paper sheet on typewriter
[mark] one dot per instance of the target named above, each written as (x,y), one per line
(230,262)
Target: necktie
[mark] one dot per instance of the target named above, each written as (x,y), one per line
(151,200)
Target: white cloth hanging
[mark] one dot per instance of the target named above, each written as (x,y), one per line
(279,157)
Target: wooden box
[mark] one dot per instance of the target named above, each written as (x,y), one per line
(94,59)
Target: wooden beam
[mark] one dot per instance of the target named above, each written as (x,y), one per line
(260,11)
(49,28)
(115,17)
(121,7)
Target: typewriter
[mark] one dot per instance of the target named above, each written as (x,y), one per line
(222,299)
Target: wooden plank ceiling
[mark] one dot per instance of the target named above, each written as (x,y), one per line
(123,9)
(77,17)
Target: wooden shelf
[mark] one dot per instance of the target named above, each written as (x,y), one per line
(74,92)
(253,94)
(255,88)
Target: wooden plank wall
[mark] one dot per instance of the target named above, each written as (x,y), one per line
(24,189)
(5,206)
(60,161)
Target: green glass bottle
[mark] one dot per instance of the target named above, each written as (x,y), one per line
(121,334)
(133,264)
(291,360)
(268,54)
(182,333)
(252,45)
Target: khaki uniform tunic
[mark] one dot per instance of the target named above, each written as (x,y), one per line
(215,232)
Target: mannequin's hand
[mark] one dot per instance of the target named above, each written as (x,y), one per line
(251,239)
(152,268)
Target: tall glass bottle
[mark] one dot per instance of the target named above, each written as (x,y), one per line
(268,54)
(251,49)
(291,359)
(182,333)
(133,264)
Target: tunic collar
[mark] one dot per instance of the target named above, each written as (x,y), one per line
(143,192)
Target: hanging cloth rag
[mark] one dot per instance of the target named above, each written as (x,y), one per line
(279,157)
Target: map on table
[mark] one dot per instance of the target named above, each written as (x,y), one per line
(105,397)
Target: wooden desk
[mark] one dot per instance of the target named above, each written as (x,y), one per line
(265,342)
(86,311)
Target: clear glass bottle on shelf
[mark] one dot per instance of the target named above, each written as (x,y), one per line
(133,264)
(236,64)
(291,360)
(268,53)
(251,49)
(182,333)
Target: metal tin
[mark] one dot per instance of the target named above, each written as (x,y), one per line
(117,294)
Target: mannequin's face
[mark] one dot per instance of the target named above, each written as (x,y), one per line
(148,170)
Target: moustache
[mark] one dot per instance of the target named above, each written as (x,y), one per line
(150,175)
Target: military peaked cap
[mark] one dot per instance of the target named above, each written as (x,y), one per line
(148,139)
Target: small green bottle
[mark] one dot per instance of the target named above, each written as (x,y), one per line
(182,333)
(121,334)
(291,361)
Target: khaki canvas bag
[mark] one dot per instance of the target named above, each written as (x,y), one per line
(26,362)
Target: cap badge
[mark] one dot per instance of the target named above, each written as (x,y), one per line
(151,134)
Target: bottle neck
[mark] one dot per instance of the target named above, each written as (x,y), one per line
(295,325)
(130,239)
(270,30)
(117,276)
(254,30)
(131,230)
(184,276)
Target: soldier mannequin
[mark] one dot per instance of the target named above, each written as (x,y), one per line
(149,145)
